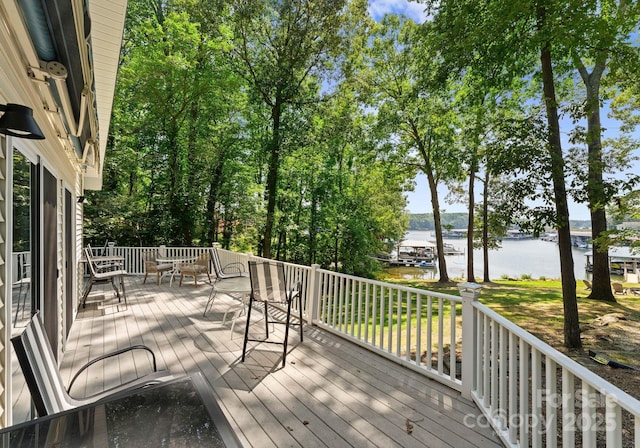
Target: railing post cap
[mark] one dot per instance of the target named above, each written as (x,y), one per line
(471,290)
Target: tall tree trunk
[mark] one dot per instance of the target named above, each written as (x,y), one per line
(272,177)
(437,221)
(212,221)
(571,320)
(472,178)
(601,285)
(485,229)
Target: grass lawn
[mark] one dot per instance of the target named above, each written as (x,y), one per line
(536,306)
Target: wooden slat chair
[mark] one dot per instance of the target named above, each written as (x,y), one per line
(103,276)
(43,378)
(199,267)
(230,270)
(269,286)
(151,266)
(587,284)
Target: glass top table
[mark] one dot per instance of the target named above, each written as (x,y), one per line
(180,413)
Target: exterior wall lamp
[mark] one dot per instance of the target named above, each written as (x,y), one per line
(18,121)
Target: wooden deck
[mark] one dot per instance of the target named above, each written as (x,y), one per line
(331,392)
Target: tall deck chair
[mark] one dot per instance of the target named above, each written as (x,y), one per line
(103,276)
(199,267)
(43,378)
(102,265)
(227,271)
(269,286)
(230,270)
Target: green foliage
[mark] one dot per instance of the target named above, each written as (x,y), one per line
(424,221)
(294,129)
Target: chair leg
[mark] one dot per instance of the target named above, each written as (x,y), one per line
(246,331)
(266,319)
(124,294)
(115,288)
(145,278)
(286,333)
(85,294)
(300,317)
(212,296)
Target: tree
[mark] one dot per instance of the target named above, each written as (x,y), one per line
(278,46)
(499,39)
(419,124)
(600,32)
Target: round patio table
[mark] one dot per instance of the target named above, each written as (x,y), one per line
(176,261)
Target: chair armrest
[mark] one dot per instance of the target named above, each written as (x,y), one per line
(108,266)
(294,290)
(236,266)
(110,355)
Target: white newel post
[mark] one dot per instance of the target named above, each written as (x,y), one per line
(469,293)
(313,294)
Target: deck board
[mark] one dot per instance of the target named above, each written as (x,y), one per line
(331,392)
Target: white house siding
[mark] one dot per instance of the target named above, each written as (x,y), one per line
(22,82)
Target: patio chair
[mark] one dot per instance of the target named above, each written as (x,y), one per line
(199,267)
(102,265)
(227,271)
(97,275)
(42,376)
(618,288)
(269,286)
(587,284)
(151,266)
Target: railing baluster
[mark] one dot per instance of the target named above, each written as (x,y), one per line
(589,416)
(569,423)
(486,363)
(524,393)
(429,332)
(440,336)
(613,420)
(452,353)
(494,369)
(503,367)
(513,388)
(418,328)
(551,397)
(409,326)
(536,404)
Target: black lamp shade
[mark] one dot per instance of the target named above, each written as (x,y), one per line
(18,121)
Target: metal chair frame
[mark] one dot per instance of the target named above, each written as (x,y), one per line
(43,379)
(269,286)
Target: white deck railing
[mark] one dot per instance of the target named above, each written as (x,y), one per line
(530,393)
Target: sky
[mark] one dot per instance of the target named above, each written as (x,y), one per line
(413,10)
(419,201)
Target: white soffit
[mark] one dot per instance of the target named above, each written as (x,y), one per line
(107,25)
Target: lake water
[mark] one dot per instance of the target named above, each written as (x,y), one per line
(515,258)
